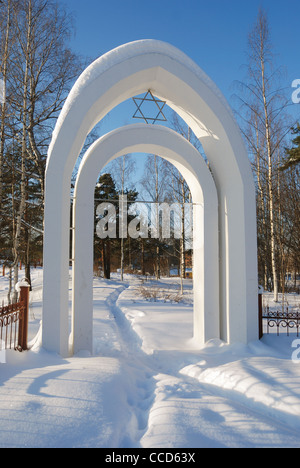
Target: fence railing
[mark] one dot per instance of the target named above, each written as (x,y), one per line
(287,320)
(14,322)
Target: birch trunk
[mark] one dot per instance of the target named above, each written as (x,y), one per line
(4,105)
(157,270)
(270,180)
(182,240)
(122,210)
(21,210)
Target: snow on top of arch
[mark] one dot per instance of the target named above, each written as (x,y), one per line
(133,49)
(124,53)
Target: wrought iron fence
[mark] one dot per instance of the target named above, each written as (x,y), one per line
(14,323)
(9,325)
(280,320)
(287,320)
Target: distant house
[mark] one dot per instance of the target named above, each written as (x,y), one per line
(189,273)
(292,280)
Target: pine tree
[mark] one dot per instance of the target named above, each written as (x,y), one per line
(107,248)
(293,154)
(105,192)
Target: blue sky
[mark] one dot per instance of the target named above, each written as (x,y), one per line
(212,32)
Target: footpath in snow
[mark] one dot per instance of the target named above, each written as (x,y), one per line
(147,385)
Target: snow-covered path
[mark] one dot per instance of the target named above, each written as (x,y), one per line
(222,396)
(148,386)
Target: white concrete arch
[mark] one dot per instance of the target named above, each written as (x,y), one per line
(118,75)
(177,150)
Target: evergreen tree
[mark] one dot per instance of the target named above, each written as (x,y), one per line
(293,154)
(105,192)
(108,249)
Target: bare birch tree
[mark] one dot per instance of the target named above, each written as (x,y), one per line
(122,169)
(265,128)
(25,44)
(154,184)
(38,70)
(5,51)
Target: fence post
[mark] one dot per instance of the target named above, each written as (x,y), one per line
(23,325)
(260,316)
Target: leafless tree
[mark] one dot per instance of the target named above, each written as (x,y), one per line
(265,126)
(38,70)
(122,169)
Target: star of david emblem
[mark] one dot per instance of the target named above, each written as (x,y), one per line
(157,105)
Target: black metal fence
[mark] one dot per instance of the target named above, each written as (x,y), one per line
(286,320)
(14,323)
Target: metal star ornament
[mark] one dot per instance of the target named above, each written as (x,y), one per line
(157,107)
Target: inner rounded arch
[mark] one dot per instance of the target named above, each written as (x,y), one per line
(178,151)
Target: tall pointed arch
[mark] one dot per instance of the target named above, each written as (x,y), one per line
(120,74)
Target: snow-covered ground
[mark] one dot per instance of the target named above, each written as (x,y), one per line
(147,384)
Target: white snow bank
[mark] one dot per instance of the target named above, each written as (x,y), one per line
(50,402)
(262,383)
(186,415)
(147,385)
